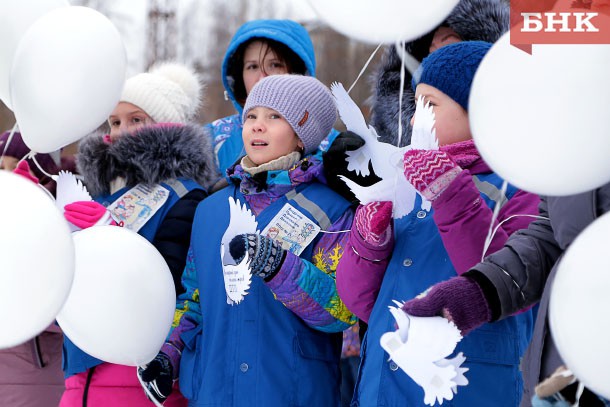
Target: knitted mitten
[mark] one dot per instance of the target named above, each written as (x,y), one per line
(158,376)
(430,171)
(373,221)
(266,255)
(459,299)
(23,169)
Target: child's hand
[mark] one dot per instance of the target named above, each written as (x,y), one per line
(158,376)
(430,171)
(85,214)
(373,222)
(266,255)
(459,299)
(23,169)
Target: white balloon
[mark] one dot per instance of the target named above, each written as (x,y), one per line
(15,18)
(579,299)
(67,76)
(122,302)
(37,257)
(383,21)
(541,120)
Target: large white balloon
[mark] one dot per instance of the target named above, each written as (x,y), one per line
(122,302)
(383,21)
(36,257)
(541,120)
(579,299)
(15,18)
(67,76)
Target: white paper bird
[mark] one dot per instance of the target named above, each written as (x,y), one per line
(386,159)
(237,277)
(423,136)
(69,190)
(420,347)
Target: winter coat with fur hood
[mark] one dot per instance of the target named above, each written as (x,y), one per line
(153,155)
(157,154)
(483,20)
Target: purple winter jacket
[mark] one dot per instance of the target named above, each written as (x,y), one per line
(457,210)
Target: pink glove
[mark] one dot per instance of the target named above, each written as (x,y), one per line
(85,214)
(430,171)
(373,222)
(23,169)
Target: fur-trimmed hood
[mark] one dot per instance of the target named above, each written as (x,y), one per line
(483,20)
(152,155)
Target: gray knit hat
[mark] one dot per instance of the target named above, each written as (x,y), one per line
(305,103)
(169,92)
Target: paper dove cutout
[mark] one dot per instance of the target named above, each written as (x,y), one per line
(420,347)
(423,136)
(70,189)
(237,277)
(387,160)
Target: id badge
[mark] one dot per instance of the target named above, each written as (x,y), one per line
(293,230)
(135,207)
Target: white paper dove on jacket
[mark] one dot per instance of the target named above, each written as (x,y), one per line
(237,277)
(70,189)
(420,347)
(386,159)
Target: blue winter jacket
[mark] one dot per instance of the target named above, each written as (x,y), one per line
(74,359)
(492,352)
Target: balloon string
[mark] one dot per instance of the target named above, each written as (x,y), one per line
(336,231)
(407,62)
(579,390)
(401,90)
(8,142)
(492,230)
(32,155)
(364,68)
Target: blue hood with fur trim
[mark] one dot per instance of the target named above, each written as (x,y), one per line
(288,32)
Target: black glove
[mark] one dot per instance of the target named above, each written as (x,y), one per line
(266,255)
(158,376)
(335,165)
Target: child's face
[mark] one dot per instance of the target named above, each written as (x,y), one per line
(267,136)
(451,120)
(444,36)
(127,118)
(259,62)
(9,163)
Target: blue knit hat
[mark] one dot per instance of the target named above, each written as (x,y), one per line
(305,103)
(451,69)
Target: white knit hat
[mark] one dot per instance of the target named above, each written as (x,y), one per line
(168,92)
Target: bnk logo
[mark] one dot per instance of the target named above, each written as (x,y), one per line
(559,22)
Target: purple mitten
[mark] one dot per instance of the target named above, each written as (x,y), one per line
(373,221)
(85,214)
(459,299)
(430,171)
(23,169)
